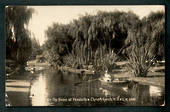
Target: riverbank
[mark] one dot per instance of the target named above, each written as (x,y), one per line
(156,74)
(153,78)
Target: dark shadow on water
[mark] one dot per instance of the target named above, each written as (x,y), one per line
(150,76)
(11,81)
(21,76)
(19,98)
(161,70)
(18,86)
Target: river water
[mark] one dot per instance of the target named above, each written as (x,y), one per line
(50,87)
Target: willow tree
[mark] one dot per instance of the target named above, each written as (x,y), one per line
(109,30)
(155,27)
(147,43)
(140,52)
(18,43)
(79,31)
(93,36)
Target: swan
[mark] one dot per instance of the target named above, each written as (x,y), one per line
(32,70)
(106,77)
(106,74)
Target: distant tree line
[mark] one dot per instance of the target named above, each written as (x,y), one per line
(91,38)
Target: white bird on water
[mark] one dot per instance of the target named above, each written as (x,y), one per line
(106,77)
(32,70)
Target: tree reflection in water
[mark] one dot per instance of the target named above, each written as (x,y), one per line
(143,94)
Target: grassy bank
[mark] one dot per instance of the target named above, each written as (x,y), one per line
(154,77)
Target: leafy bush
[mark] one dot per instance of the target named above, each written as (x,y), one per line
(140,53)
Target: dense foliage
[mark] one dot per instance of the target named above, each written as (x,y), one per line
(91,36)
(99,39)
(36,48)
(18,42)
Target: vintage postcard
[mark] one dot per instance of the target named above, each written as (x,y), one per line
(85,55)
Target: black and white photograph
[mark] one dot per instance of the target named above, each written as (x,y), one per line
(85,55)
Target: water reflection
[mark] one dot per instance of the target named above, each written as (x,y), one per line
(47,86)
(105,91)
(38,92)
(155,91)
(145,95)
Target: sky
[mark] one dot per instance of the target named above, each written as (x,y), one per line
(45,16)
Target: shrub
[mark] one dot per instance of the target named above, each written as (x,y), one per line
(141,53)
